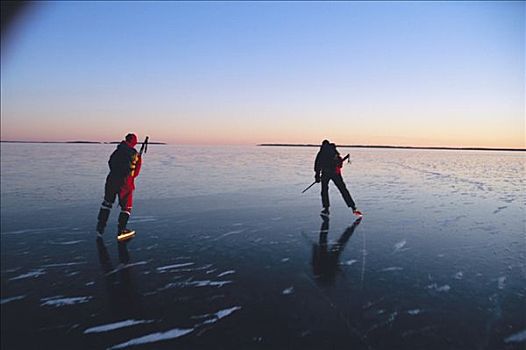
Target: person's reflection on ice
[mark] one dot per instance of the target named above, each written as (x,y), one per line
(123,297)
(325,258)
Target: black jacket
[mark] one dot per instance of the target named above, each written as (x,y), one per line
(121,160)
(326,160)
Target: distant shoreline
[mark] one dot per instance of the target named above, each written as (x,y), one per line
(82,142)
(298,145)
(399,147)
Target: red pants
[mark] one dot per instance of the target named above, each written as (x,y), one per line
(123,187)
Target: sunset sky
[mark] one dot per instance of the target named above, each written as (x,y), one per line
(390,73)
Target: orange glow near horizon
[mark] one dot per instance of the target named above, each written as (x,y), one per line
(493,136)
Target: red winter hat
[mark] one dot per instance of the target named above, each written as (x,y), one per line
(131,139)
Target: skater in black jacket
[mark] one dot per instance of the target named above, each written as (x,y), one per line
(327,167)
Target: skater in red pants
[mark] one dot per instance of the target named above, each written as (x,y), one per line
(125,165)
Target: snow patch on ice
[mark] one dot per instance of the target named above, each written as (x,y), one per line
(285,259)
(517,337)
(200,268)
(350,262)
(116,325)
(155,337)
(227,312)
(399,245)
(64,264)
(68,242)
(392,268)
(229,272)
(31,274)
(8,300)
(125,266)
(203,283)
(501,282)
(233,232)
(459,275)
(386,322)
(414,312)
(15,269)
(142,219)
(160,336)
(221,314)
(287,291)
(208,283)
(434,286)
(58,301)
(175,266)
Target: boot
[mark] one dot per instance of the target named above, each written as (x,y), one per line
(102,218)
(123,220)
(358,213)
(124,233)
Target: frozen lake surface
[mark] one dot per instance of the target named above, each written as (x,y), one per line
(230,255)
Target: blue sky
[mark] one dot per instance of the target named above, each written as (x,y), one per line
(411,73)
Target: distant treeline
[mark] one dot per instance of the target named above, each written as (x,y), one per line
(83,142)
(400,147)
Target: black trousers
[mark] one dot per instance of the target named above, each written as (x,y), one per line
(338,181)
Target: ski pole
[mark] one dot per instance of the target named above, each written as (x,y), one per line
(312,184)
(144,147)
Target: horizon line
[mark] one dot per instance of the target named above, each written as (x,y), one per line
(399,147)
(81,142)
(295,145)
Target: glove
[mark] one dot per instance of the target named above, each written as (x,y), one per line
(317,178)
